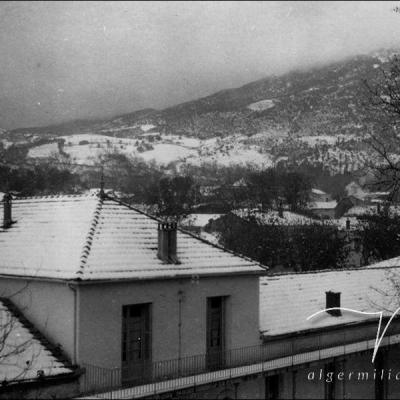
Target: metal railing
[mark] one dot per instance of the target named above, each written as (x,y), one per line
(295,350)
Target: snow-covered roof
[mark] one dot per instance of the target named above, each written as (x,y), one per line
(22,354)
(323,205)
(286,301)
(318,191)
(390,263)
(89,238)
(361,210)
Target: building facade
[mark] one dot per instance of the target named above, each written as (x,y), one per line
(140,308)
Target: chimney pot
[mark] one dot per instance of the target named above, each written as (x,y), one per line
(333,301)
(167,242)
(7,210)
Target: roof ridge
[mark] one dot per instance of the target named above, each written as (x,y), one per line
(264,267)
(56,196)
(89,237)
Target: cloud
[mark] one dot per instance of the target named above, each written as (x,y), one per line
(115,57)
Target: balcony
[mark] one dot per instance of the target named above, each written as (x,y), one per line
(164,376)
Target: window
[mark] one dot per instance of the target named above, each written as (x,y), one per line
(215,332)
(136,342)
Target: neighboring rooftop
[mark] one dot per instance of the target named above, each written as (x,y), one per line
(23,353)
(89,238)
(390,263)
(323,205)
(318,191)
(286,301)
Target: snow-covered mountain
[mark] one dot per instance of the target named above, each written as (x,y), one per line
(315,117)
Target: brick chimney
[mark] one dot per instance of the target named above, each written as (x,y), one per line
(167,232)
(332,301)
(7,211)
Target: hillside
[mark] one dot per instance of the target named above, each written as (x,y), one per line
(314,117)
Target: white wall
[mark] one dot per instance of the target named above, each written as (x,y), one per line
(48,305)
(100,317)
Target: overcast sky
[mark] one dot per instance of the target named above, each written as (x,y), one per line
(66,60)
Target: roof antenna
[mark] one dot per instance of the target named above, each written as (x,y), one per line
(102,194)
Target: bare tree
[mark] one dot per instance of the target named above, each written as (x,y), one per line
(18,350)
(382,122)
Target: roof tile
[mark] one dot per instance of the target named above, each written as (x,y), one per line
(86,237)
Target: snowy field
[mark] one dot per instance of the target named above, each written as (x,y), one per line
(313,141)
(261,105)
(43,151)
(88,148)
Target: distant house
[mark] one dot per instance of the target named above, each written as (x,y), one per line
(318,195)
(241,183)
(355,191)
(323,209)
(374,197)
(208,190)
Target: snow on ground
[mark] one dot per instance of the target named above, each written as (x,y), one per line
(270,134)
(149,134)
(236,156)
(121,128)
(272,217)
(210,237)
(84,154)
(183,140)
(261,105)
(6,143)
(93,138)
(318,191)
(199,220)
(318,140)
(323,205)
(166,153)
(146,127)
(43,151)
(326,139)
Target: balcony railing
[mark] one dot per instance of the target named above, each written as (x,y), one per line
(200,371)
